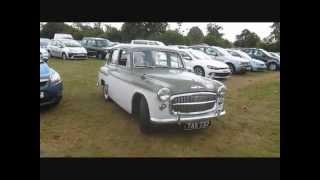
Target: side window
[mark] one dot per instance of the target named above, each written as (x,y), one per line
(139,58)
(91,43)
(124,58)
(161,59)
(108,56)
(258,53)
(175,61)
(115,57)
(212,51)
(84,42)
(185,56)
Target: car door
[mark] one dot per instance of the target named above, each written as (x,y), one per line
(84,44)
(215,54)
(188,61)
(55,49)
(91,44)
(59,49)
(260,55)
(120,87)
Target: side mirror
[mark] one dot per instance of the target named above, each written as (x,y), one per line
(187,58)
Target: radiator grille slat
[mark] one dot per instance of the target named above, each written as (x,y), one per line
(195,103)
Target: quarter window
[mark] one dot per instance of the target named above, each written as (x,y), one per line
(185,56)
(175,61)
(124,58)
(115,57)
(91,43)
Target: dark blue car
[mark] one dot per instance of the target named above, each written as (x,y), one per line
(50,85)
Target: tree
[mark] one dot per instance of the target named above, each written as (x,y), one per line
(141,30)
(276,31)
(195,35)
(50,28)
(214,29)
(170,37)
(215,37)
(247,39)
(112,33)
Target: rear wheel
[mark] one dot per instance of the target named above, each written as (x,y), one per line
(199,71)
(144,116)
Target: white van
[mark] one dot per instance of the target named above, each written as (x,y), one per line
(62,36)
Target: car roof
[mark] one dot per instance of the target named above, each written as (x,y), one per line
(199,45)
(95,38)
(144,40)
(142,46)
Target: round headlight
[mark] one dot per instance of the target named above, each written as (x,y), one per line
(221,91)
(163,94)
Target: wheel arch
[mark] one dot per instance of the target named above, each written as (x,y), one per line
(136,97)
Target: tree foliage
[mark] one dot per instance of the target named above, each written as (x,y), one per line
(195,35)
(247,39)
(158,31)
(141,30)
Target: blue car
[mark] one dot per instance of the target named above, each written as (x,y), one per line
(50,85)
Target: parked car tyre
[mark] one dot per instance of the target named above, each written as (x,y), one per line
(105,92)
(272,66)
(64,56)
(199,71)
(232,68)
(99,56)
(144,117)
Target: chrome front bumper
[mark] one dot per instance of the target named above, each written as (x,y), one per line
(184,118)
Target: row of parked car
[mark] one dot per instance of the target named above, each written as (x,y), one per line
(161,84)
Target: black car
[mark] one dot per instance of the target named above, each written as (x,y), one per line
(273,63)
(96,46)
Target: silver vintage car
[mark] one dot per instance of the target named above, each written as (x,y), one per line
(152,83)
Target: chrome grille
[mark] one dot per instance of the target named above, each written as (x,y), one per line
(193,103)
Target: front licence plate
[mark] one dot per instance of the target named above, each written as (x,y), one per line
(41,95)
(197,125)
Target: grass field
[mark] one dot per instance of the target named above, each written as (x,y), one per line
(84,125)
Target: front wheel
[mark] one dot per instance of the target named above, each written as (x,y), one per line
(199,71)
(232,68)
(105,92)
(272,67)
(144,117)
(64,56)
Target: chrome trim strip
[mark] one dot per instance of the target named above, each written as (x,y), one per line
(186,119)
(194,103)
(190,94)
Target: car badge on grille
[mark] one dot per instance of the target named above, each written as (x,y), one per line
(196,87)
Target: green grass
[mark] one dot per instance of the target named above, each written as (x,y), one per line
(84,125)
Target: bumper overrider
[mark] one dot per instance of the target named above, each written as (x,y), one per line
(170,117)
(52,92)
